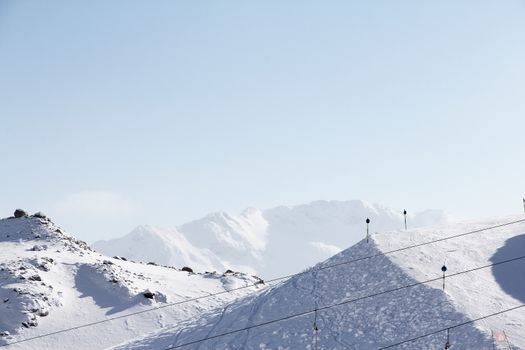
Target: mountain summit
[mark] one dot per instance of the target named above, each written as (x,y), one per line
(50,282)
(385,294)
(259,241)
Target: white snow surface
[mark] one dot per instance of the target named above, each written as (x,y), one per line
(391,317)
(163,246)
(259,241)
(50,281)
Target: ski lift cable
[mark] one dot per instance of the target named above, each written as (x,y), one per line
(277,279)
(292,316)
(453,326)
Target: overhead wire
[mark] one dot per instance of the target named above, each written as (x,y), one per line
(320,308)
(277,279)
(452,327)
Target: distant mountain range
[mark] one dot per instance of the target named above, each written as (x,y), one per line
(267,242)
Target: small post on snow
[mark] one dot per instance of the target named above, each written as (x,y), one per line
(316,330)
(524,205)
(405,214)
(367,229)
(444,269)
(447,344)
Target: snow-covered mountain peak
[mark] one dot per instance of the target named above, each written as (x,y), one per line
(40,230)
(380,293)
(258,241)
(50,281)
(165,246)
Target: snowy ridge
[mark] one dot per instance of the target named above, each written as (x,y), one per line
(163,246)
(50,281)
(389,318)
(257,241)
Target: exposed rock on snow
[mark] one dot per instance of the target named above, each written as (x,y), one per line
(148,294)
(19,213)
(50,281)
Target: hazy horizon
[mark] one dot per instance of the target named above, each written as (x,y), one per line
(115,114)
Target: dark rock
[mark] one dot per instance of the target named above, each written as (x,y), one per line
(30,323)
(43,313)
(187,269)
(152,263)
(259,280)
(120,258)
(148,294)
(35,278)
(19,213)
(228,271)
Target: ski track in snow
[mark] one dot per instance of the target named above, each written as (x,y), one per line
(381,320)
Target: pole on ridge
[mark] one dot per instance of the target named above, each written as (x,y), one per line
(447,344)
(444,269)
(405,214)
(367,229)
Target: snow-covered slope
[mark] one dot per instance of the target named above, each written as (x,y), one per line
(163,246)
(367,304)
(259,241)
(50,281)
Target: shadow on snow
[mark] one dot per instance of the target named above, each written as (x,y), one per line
(510,276)
(91,283)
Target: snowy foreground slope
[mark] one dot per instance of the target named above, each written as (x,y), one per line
(390,317)
(257,241)
(50,281)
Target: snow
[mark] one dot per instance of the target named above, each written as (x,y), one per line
(362,322)
(50,281)
(325,248)
(163,246)
(258,241)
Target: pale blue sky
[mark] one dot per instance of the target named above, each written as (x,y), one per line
(118,113)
